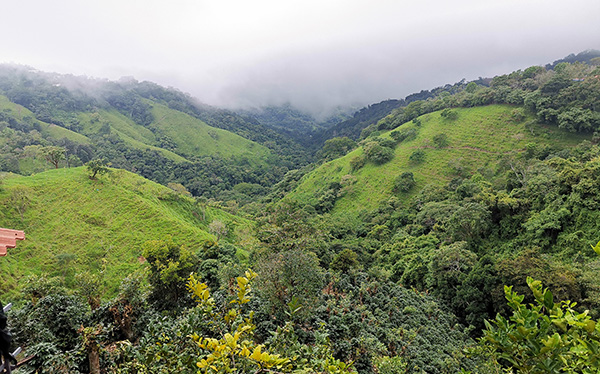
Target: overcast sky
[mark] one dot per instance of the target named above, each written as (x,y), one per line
(313,53)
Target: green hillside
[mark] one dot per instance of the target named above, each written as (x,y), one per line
(73,222)
(477,141)
(161,134)
(188,136)
(194,137)
(174,134)
(10,109)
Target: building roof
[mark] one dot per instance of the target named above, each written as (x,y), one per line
(8,239)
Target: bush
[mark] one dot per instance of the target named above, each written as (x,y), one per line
(544,337)
(377,153)
(404,182)
(449,114)
(404,134)
(441,140)
(358,162)
(417,156)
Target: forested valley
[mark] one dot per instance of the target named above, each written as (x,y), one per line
(452,231)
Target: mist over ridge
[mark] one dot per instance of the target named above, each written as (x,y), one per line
(313,55)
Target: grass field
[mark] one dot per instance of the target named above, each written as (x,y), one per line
(477,140)
(76,224)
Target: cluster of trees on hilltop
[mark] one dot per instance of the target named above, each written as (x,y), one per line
(566,96)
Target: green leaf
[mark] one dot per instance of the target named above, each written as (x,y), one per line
(548,300)
(596,248)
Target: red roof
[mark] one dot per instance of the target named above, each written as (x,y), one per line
(8,239)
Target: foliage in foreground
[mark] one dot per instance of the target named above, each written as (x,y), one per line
(544,337)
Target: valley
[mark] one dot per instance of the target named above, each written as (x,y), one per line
(394,239)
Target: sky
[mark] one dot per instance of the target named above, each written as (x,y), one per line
(314,54)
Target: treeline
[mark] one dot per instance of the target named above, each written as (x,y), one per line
(367,117)
(566,96)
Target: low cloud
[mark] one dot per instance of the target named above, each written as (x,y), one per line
(313,54)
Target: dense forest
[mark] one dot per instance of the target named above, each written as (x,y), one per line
(452,231)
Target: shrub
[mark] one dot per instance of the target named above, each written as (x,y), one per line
(358,162)
(404,134)
(441,140)
(544,337)
(449,114)
(417,156)
(404,182)
(377,153)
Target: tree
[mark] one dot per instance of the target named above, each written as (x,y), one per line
(447,270)
(218,229)
(404,134)
(449,114)
(170,265)
(344,261)
(287,226)
(377,153)
(468,222)
(54,155)
(97,167)
(471,87)
(336,147)
(287,275)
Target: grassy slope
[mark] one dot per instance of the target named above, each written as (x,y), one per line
(19,112)
(135,135)
(478,138)
(191,136)
(102,223)
(194,137)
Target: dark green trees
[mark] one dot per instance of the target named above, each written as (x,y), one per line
(404,182)
(336,147)
(170,265)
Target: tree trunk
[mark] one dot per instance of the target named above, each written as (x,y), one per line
(94,358)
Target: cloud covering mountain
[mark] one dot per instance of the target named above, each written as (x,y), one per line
(313,54)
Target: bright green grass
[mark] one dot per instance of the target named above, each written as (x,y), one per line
(479,138)
(190,136)
(104,223)
(136,136)
(118,123)
(194,137)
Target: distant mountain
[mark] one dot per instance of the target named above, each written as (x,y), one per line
(585,57)
(352,127)
(298,125)
(372,114)
(162,134)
